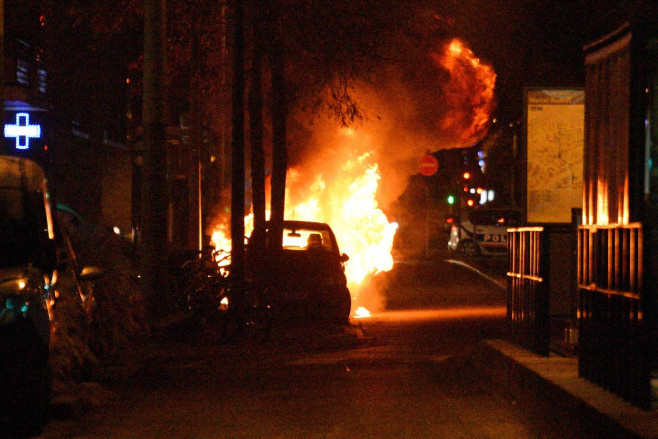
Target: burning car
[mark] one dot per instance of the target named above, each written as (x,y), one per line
(308,279)
(483,232)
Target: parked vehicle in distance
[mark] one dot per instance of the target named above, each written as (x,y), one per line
(483,232)
(308,280)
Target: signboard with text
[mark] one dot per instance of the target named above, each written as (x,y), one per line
(555,123)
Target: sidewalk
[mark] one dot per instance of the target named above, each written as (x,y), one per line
(553,386)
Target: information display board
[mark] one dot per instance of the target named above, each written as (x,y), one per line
(555,123)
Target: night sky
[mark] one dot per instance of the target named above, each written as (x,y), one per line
(535,42)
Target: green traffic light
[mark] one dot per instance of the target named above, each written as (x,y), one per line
(451,199)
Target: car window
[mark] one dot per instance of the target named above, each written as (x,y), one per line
(306,239)
(22,226)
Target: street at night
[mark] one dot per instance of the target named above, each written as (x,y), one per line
(329,219)
(400,373)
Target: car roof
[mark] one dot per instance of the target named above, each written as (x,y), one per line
(21,173)
(486,215)
(312,225)
(496,209)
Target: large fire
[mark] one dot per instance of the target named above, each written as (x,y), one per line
(471,91)
(347,203)
(338,183)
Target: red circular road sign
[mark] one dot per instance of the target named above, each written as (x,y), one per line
(428,165)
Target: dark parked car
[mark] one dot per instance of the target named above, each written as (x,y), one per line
(309,277)
(27,262)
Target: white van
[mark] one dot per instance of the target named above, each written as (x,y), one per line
(483,232)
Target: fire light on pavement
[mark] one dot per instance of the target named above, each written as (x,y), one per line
(362,313)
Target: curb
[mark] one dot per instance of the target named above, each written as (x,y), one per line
(551,386)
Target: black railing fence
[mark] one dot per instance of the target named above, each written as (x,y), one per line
(527,288)
(614,340)
(542,286)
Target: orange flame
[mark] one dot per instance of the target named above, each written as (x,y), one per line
(347,203)
(471,91)
(339,172)
(362,313)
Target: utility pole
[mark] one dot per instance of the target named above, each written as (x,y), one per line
(154,201)
(513,176)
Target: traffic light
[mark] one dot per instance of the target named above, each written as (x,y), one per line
(451,199)
(467,175)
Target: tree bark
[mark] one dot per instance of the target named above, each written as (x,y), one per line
(237,152)
(279,151)
(154,201)
(256,134)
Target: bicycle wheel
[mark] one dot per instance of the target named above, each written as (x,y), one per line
(243,319)
(197,298)
(258,314)
(222,327)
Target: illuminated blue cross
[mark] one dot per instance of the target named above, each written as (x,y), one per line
(22,131)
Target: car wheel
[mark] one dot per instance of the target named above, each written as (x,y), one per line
(342,306)
(468,248)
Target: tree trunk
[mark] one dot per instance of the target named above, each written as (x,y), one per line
(196,146)
(154,201)
(256,136)
(237,155)
(279,151)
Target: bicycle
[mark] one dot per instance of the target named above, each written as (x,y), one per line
(245,313)
(198,281)
(227,312)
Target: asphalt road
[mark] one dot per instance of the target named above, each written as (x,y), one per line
(408,372)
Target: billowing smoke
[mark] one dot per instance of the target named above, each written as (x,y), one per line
(442,100)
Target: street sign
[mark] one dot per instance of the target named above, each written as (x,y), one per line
(429,165)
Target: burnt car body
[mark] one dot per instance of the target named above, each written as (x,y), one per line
(307,277)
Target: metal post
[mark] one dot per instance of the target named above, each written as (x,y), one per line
(154,194)
(200,199)
(427,220)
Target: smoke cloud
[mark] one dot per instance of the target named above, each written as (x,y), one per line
(437,101)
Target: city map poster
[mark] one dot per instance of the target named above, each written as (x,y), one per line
(555,139)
